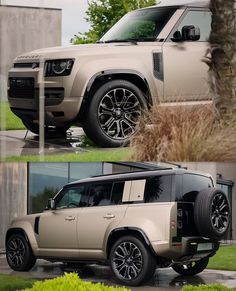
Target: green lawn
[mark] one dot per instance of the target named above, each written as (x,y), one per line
(94,155)
(12,283)
(12,122)
(225,259)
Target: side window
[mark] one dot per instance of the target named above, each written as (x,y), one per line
(158,189)
(192,184)
(117,193)
(99,194)
(72,198)
(201,19)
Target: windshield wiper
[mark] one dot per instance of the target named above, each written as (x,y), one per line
(133,41)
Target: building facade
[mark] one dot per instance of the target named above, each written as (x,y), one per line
(24,29)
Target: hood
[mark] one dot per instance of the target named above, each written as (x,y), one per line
(71,51)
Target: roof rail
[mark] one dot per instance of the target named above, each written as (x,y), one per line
(176,165)
(132,172)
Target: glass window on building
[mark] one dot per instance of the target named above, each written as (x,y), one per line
(79,171)
(227,187)
(46,179)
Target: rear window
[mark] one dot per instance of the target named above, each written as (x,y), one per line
(191,185)
(158,189)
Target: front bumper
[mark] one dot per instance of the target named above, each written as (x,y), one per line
(23,94)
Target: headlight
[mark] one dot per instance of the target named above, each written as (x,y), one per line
(58,67)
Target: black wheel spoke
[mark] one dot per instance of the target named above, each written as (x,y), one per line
(220,212)
(128,260)
(118,113)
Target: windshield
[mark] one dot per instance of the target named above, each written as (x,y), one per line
(140,25)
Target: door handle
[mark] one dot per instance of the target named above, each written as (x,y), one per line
(70,218)
(109,215)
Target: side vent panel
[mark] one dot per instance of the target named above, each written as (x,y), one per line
(158,66)
(36,224)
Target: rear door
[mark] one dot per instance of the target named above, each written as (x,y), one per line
(185,73)
(105,210)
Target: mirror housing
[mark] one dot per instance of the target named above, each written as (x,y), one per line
(51,204)
(189,33)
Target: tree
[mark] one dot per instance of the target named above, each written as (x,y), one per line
(103,14)
(222,61)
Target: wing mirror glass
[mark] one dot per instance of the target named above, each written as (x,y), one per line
(189,33)
(51,204)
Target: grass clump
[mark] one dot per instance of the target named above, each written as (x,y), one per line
(73,283)
(219,261)
(11,121)
(113,155)
(210,287)
(12,283)
(184,133)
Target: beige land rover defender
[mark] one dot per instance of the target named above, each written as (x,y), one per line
(135,221)
(152,55)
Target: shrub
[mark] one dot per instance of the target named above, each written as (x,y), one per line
(184,133)
(71,282)
(210,287)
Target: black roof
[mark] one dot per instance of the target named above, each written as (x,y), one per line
(137,175)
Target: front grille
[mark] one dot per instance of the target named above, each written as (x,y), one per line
(26,65)
(21,88)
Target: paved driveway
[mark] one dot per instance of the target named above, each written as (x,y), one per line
(16,143)
(164,279)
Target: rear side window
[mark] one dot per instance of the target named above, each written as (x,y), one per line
(103,194)
(158,189)
(192,184)
(117,193)
(99,194)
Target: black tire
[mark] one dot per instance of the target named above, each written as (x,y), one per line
(212,213)
(144,264)
(50,132)
(112,124)
(191,268)
(19,253)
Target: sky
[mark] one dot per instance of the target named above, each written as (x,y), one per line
(73,13)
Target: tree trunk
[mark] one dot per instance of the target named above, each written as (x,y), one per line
(223,57)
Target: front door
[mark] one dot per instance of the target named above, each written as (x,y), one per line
(185,73)
(58,228)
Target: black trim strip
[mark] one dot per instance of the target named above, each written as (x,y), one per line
(36,224)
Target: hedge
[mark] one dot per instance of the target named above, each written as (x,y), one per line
(71,282)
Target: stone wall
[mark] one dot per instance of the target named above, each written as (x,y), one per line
(13,194)
(24,29)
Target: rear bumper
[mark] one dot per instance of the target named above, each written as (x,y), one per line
(187,248)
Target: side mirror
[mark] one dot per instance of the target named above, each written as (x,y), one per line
(191,33)
(51,204)
(177,36)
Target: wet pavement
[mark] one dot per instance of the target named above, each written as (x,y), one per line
(164,279)
(19,142)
